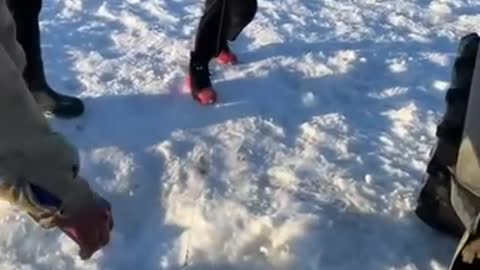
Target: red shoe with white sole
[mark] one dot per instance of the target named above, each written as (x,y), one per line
(198,82)
(204,96)
(227,57)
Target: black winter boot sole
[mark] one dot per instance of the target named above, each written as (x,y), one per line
(435,209)
(57,104)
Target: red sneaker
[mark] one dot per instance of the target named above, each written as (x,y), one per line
(204,96)
(227,57)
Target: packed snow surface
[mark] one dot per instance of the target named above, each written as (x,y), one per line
(311,160)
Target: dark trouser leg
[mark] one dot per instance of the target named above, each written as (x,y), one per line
(241,13)
(26,15)
(211,31)
(223,20)
(451,127)
(434,205)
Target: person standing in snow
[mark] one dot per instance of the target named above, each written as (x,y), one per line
(450,198)
(222,21)
(39,168)
(26,15)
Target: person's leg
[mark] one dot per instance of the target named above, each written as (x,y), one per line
(211,30)
(209,34)
(26,15)
(434,206)
(240,14)
(222,20)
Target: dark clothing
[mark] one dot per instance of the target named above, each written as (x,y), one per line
(434,204)
(450,199)
(466,177)
(451,127)
(26,16)
(222,21)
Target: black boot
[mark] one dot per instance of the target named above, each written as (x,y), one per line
(50,101)
(434,204)
(26,13)
(199,80)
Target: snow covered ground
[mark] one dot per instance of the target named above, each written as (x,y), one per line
(312,159)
